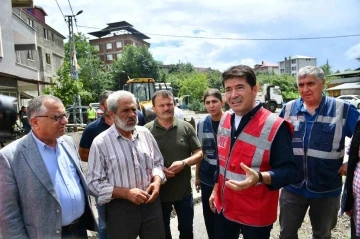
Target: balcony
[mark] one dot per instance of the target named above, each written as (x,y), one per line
(22,3)
(24,35)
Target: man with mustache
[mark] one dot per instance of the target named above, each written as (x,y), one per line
(181,149)
(255,159)
(125,173)
(321,124)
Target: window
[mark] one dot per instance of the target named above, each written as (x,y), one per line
(293,61)
(108,45)
(30,55)
(109,57)
(46,34)
(48,59)
(53,37)
(97,47)
(293,68)
(119,44)
(281,70)
(1,49)
(134,43)
(18,57)
(30,22)
(118,56)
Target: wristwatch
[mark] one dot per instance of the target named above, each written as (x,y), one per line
(185,164)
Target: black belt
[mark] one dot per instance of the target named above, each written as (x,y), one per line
(72,225)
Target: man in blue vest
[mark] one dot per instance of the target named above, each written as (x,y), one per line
(321,124)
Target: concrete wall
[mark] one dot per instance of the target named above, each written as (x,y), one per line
(8,23)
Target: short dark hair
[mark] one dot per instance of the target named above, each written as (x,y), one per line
(104,95)
(162,93)
(212,92)
(239,72)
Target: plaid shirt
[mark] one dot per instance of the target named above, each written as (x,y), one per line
(356,194)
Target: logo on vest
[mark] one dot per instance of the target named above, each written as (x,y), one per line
(222,141)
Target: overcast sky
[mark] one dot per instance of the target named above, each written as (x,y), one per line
(229,19)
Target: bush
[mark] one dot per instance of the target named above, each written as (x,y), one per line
(196,105)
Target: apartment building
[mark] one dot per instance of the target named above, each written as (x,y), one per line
(266,67)
(292,64)
(112,40)
(30,50)
(50,53)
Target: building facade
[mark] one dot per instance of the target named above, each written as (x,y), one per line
(292,64)
(28,60)
(50,52)
(111,40)
(267,68)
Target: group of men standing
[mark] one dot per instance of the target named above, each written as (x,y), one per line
(140,174)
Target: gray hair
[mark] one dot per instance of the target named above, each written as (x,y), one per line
(104,95)
(36,106)
(114,98)
(310,71)
(162,93)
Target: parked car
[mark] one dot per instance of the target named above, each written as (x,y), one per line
(352,99)
(69,110)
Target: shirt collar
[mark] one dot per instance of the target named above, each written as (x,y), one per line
(301,108)
(115,131)
(174,124)
(42,145)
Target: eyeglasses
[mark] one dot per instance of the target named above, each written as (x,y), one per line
(55,117)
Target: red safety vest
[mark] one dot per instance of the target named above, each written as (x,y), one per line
(257,205)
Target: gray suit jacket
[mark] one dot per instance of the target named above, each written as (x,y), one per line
(29,206)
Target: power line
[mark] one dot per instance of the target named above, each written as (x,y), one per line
(243,39)
(60,8)
(71,8)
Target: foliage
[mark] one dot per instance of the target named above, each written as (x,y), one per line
(287,83)
(82,46)
(181,68)
(64,87)
(137,62)
(196,105)
(214,79)
(326,68)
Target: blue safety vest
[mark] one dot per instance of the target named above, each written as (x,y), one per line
(318,165)
(207,138)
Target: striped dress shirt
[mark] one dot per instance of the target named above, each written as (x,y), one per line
(116,161)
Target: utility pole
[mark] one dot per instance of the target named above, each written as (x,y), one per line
(77,112)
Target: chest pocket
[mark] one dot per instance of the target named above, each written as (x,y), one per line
(324,137)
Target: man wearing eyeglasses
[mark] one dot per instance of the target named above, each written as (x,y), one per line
(43,191)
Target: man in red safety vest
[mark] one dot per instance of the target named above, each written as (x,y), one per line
(255,160)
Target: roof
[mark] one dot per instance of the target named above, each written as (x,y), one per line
(41,9)
(346,73)
(345,86)
(299,56)
(123,26)
(267,64)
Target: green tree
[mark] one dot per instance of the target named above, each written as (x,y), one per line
(193,84)
(326,68)
(181,67)
(214,79)
(286,82)
(82,46)
(137,62)
(65,87)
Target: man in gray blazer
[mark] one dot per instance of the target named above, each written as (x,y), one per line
(43,192)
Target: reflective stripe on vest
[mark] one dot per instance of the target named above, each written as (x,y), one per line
(206,135)
(252,147)
(339,124)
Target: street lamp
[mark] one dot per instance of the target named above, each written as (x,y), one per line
(79,12)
